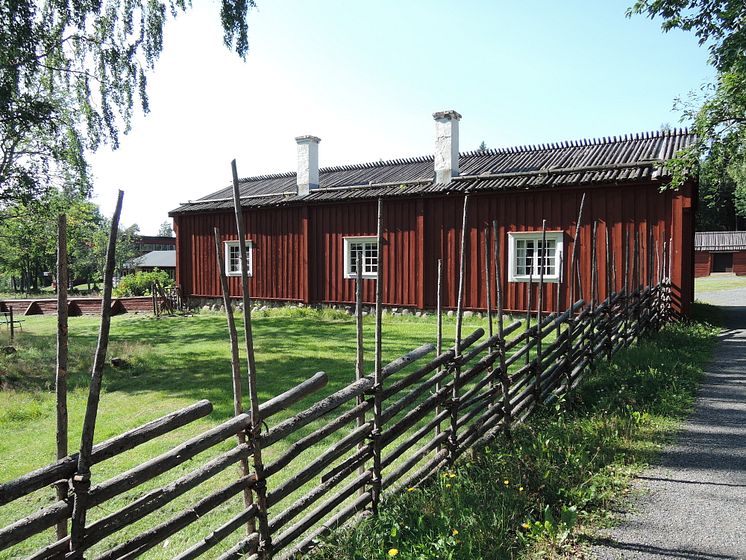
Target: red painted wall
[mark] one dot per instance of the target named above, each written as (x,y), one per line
(299,251)
(702,263)
(739,263)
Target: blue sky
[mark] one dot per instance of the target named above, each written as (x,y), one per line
(366,77)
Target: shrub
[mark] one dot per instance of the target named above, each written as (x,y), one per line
(140,283)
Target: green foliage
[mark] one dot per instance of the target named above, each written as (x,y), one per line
(718,113)
(165,229)
(28,241)
(549,531)
(140,283)
(71,75)
(720,24)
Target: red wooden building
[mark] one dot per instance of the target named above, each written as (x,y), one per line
(305,228)
(719,251)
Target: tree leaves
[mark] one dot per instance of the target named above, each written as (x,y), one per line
(71,77)
(718,114)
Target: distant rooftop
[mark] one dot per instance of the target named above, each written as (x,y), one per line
(153,259)
(720,241)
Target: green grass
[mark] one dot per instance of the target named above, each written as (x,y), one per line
(541,493)
(718,283)
(174,362)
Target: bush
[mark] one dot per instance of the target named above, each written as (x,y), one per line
(140,283)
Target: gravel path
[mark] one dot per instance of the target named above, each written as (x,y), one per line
(694,501)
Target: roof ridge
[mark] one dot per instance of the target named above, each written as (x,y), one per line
(556,145)
(580,142)
(283,175)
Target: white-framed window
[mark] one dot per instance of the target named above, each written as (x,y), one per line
(233,258)
(367,248)
(525,256)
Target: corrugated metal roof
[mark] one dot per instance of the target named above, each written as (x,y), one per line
(720,241)
(160,259)
(619,159)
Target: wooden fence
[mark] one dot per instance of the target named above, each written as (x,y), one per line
(387,430)
(367,439)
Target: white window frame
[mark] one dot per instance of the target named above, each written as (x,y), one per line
(349,265)
(227,256)
(513,236)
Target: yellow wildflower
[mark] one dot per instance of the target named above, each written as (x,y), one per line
(454,532)
(410,489)
(448,485)
(525,525)
(506,482)
(520,488)
(393,551)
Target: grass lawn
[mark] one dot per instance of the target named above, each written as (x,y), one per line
(545,492)
(718,283)
(174,362)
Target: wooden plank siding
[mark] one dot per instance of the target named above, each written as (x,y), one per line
(702,264)
(739,263)
(298,252)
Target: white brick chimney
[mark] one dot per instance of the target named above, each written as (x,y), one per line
(308,164)
(446,145)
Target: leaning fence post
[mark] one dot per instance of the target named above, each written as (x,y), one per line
(610,289)
(454,404)
(82,478)
(529,307)
(638,290)
(625,287)
(574,274)
(504,379)
(540,307)
(12,324)
(377,478)
(439,339)
(265,542)
(359,364)
(594,291)
(61,373)
(491,370)
(235,370)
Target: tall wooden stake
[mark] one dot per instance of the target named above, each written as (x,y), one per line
(265,543)
(439,341)
(61,373)
(560,282)
(488,295)
(377,479)
(459,318)
(529,308)
(625,271)
(609,286)
(359,363)
(504,379)
(539,310)
(574,259)
(488,287)
(82,478)
(248,498)
(594,289)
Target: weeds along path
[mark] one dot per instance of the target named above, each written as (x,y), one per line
(694,504)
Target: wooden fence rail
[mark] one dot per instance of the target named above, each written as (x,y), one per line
(432,407)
